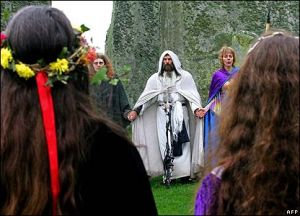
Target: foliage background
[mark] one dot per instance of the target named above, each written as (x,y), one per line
(8,8)
(195,30)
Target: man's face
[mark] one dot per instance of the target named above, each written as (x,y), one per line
(168,63)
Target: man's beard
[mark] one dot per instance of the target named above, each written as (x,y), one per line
(168,67)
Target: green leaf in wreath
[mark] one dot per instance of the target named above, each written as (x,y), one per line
(63,78)
(63,53)
(50,82)
(84,28)
(13,66)
(41,62)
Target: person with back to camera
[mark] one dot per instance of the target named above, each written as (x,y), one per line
(166,127)
(258,168)
(110,98)
(58,156)
(220,83)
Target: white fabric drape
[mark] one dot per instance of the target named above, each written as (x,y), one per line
(149,130)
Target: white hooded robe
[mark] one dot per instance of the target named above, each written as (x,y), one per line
(149,130)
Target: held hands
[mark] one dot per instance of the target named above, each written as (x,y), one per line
(132,115)
(200,112)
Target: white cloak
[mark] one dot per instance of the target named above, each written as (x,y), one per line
(149,125)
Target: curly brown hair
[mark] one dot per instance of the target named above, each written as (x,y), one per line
(259,131)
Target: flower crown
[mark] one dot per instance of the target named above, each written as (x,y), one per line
(58,70)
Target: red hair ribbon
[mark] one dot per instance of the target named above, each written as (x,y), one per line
(47,109)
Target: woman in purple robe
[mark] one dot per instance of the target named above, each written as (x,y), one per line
(258,154)
(220,82)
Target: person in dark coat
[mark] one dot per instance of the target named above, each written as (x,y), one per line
(109,96)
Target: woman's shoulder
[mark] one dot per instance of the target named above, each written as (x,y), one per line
(111,146)
(214,175)
(113,137)
(108,130)
(217,72)
(206,198)
(236,67)
(211,181)
(114,169)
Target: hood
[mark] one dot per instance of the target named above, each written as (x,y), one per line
(175,60)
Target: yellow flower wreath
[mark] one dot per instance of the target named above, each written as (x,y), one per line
(58,70)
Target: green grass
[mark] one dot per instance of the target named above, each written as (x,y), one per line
(178,199)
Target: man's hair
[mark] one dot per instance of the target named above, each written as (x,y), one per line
(259,132)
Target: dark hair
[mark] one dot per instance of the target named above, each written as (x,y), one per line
(259,132)
(40,32)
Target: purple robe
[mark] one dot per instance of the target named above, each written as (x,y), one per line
(219,78)
(206,202)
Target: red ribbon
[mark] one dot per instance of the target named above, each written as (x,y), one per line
(47,109)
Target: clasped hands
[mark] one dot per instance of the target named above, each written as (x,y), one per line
(200,112)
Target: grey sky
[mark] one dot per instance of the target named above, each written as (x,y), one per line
(94,14)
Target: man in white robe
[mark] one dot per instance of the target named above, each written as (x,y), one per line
(170,89)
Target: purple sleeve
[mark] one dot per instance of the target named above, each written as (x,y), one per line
(206,199)
(218,79)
